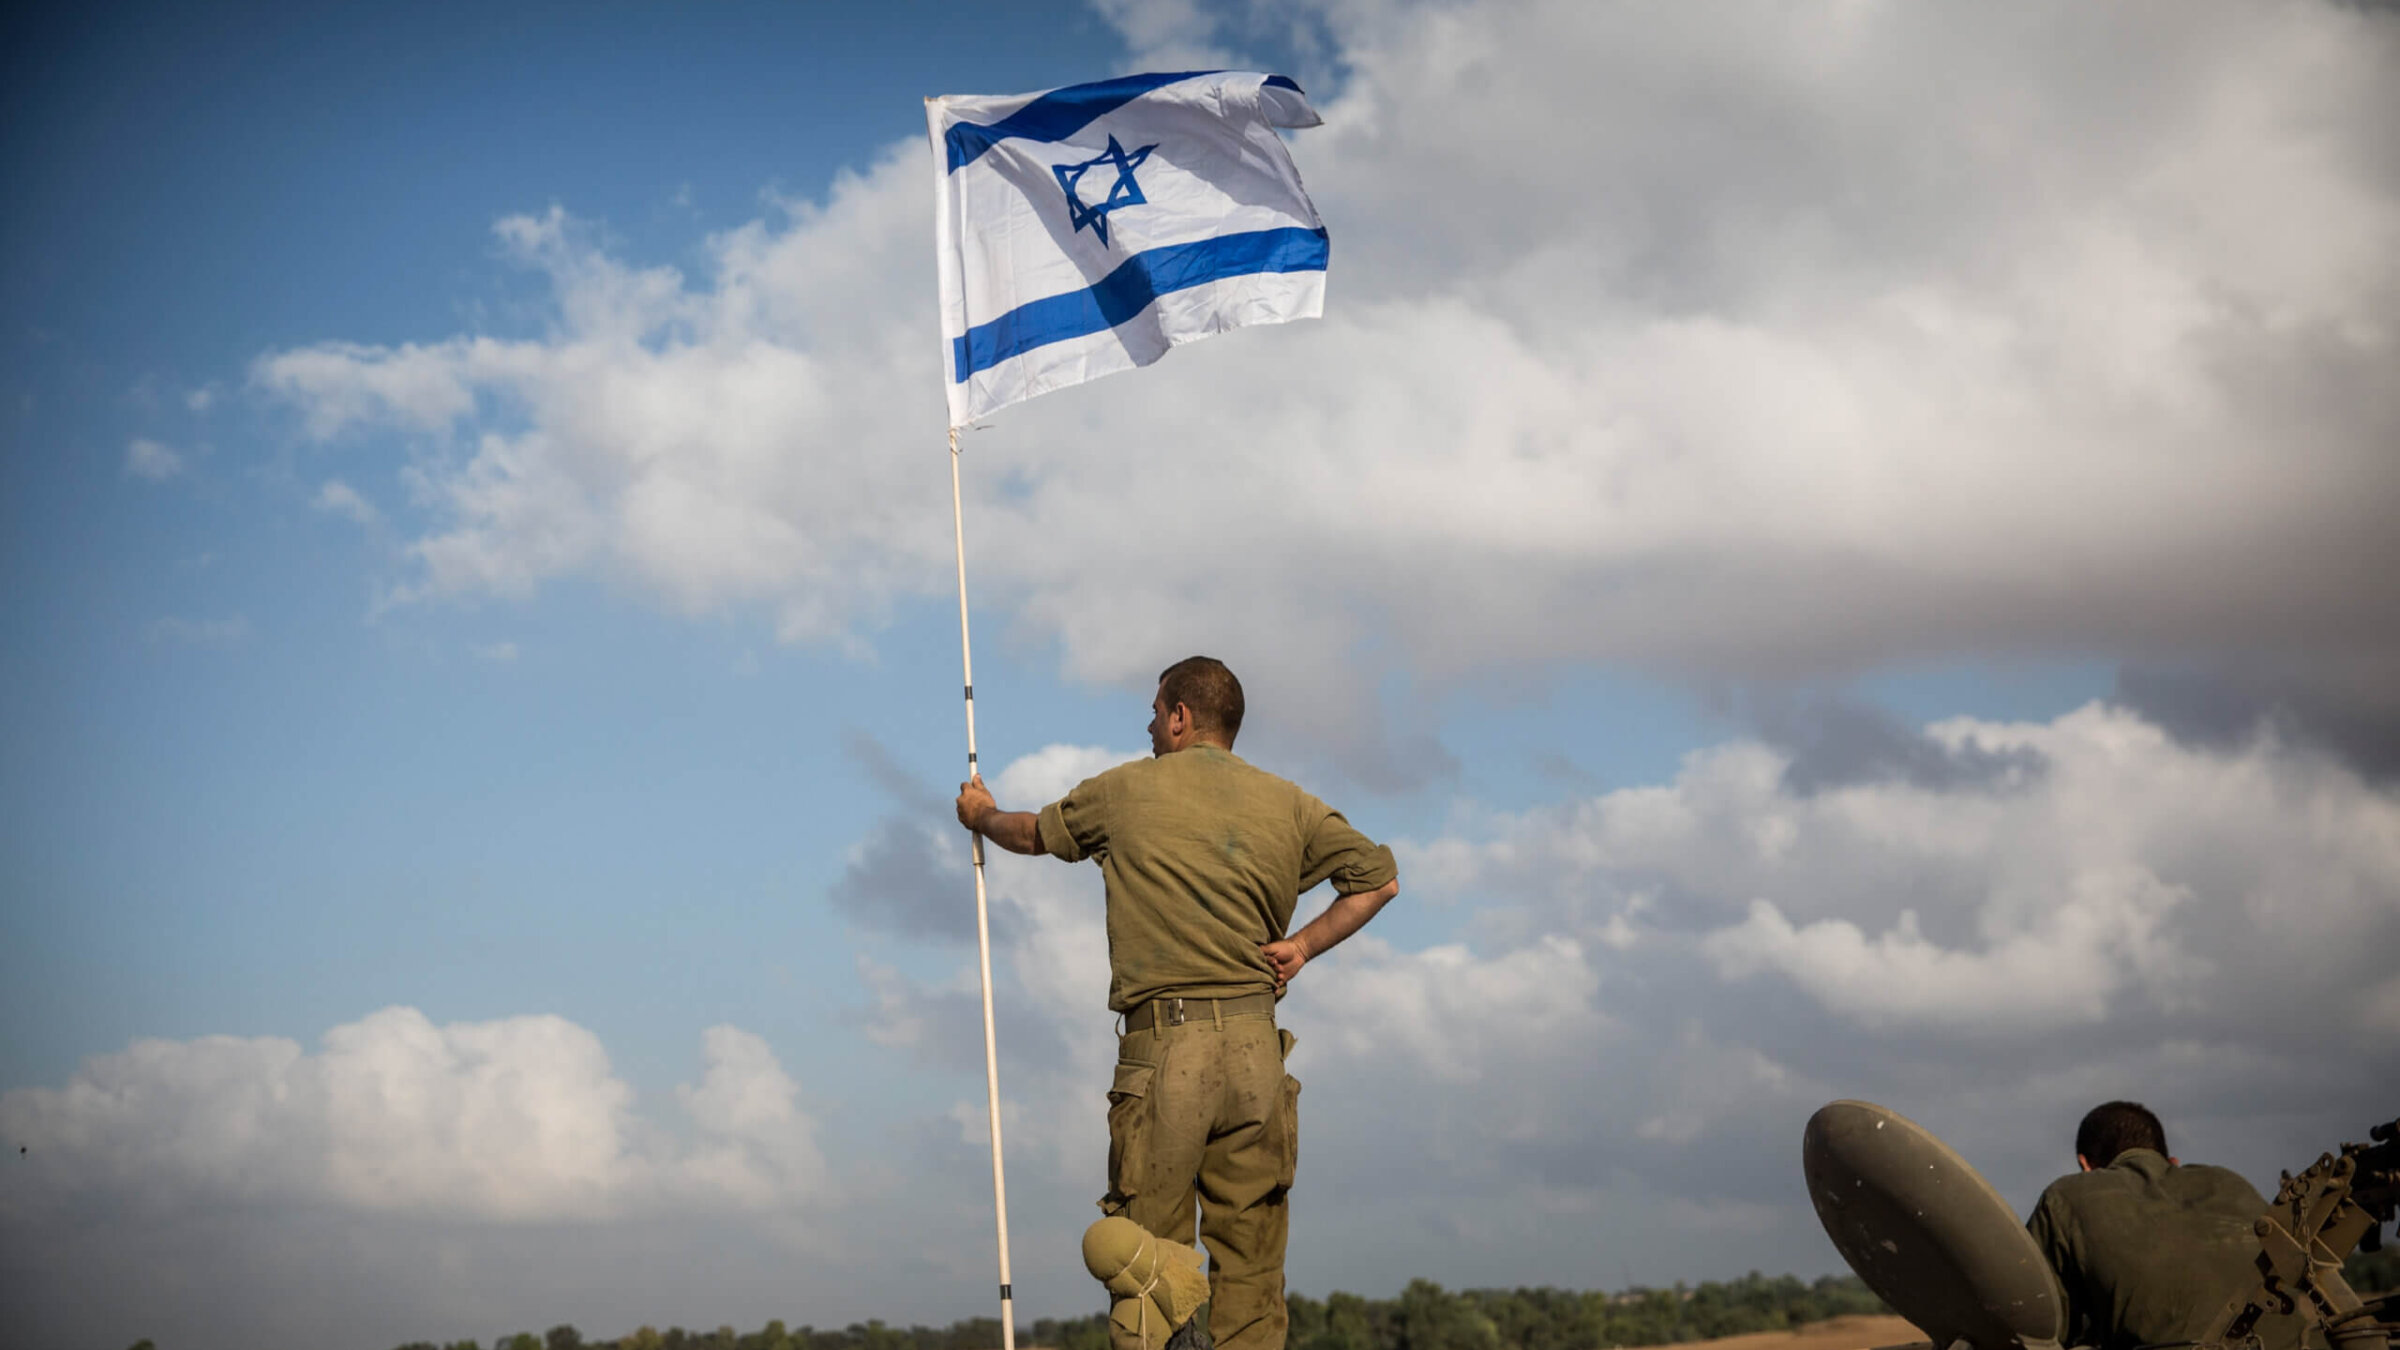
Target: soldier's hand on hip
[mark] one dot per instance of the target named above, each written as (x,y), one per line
(1286,956)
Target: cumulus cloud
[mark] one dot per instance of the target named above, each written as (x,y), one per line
(1037,779)
(1793,343)
(339,498)
(1169,34)
(1050,953)
(1650,988)
(2063,973)
(1600,1073)
(905,876)
(151,461)
(759,1148)
(1836,742)
(407,1179)
(1454,1017)
(1734,350)
(519,1120)
(2121,885)
(729,444)
(2196,926)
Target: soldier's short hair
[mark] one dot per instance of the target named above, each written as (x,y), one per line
(2113,1127)
(1204,685)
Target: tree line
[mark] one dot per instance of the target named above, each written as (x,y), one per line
(1425,1316)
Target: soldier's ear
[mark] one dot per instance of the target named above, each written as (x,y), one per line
(2083,1162)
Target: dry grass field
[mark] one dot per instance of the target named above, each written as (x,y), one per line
(1840,1333)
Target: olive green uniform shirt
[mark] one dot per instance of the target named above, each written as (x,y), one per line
(1204,858)
(2148,1251)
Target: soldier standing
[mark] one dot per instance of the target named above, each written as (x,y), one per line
(1204,859)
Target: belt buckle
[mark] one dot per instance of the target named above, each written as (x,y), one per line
(1174,1011)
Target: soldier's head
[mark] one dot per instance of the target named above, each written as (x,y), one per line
(2113,1127)
(1199,703)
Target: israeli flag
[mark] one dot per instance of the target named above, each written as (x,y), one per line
(1086,230)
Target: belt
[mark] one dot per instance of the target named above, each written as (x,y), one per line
(1174,1012)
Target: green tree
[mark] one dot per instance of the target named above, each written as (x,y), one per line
(772,1336)
(1424,1317)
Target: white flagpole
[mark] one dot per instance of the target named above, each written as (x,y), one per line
(983,924)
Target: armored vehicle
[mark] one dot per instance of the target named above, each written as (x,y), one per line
(1930,1236)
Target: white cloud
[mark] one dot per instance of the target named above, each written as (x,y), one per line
(2124,882)
(339,498)
(1168,34)
(498,653)
(341,383)
(407,1180)
(511,1121)
(1451,1015)
(151,461)
(1035,780)
(515,1119)
(760,1148)
(731,445)
(2063,973)
(1784,344)
(1651,988)
(1529,1100)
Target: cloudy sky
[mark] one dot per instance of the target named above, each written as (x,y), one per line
(1848,547)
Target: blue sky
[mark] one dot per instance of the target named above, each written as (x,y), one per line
(1842,554)
(211,186)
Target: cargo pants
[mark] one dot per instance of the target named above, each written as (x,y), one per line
(1203,1123)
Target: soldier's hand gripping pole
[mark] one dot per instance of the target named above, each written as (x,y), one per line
(983,926)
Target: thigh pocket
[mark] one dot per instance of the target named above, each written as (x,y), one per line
(1286,1126)
(1128,1133)
(1286,1132)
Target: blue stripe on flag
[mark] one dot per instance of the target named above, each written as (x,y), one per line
(1063,112)
(1131,288)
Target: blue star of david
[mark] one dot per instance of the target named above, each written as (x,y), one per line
(1122,193)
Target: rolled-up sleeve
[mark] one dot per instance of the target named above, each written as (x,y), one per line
(1337,852)
(1075,826)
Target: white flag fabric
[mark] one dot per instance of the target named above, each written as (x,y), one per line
(1086,230)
